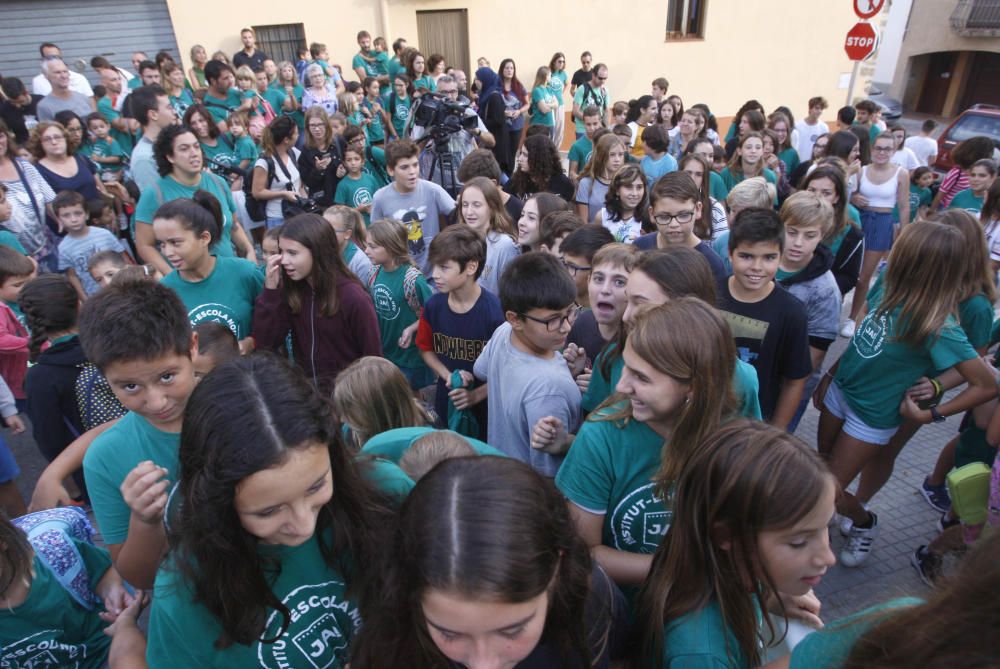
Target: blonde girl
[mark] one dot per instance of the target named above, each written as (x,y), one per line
(247,83)
(399,291)
(352,236)
(480,206)
(196,75)
(595,179)
(372,396)
(909,333)
(543,106)
(755,504)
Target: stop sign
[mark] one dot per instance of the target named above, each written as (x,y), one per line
(861,42)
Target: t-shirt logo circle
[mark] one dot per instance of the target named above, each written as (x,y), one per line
(639,521)
(385,303)
(870,335)
(362,196)
(213,311)
(319,632)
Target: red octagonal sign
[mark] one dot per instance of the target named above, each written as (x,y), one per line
(861,42)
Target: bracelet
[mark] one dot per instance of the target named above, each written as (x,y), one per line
(938,390)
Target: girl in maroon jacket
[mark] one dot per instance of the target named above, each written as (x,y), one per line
(309,291)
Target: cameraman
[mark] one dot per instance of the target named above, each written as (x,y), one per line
(460,143)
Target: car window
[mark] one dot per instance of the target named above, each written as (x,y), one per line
(972,125)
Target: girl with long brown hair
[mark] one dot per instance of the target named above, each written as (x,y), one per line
(481,207)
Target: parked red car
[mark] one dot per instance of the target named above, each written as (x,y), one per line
(976,120)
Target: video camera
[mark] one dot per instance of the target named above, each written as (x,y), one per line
(442,116)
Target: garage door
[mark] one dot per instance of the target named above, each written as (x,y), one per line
(82,29)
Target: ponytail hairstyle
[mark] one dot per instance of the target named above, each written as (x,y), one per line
(276,132)
(486,529)
(500,222)
(636,106)
(924,280)
(200,214)
(613,203)
(390,234)
(978,276)
(349,218)
(50,304)
(328,268)
(746,478)
(688,340)
(372,396)
(703,226)
(247,416)
(16,555)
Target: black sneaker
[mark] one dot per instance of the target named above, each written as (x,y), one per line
(937,496)
(927,564)
(944,522)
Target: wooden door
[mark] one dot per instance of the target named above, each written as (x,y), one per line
(446,32)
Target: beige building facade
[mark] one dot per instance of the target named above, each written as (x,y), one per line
(720,52)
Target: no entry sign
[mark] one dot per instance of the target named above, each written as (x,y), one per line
(861,42)
(866,9)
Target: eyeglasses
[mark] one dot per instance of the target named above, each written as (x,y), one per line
(573,268)
(555,322)
(883,149)
(683,218)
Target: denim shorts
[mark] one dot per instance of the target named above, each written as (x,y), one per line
(274,222)
(853,425)
(878,228)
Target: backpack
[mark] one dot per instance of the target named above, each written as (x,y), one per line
(51,535)
(257,209)
(409,286)
(94,398)
(588,92)
(268,114)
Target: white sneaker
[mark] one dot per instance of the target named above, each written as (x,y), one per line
(848,329)
(859,544)
(845,523)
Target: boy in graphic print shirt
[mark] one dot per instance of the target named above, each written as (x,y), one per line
(459,320)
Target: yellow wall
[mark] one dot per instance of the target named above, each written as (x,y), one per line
(777,51)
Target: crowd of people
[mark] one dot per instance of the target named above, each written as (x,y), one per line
(348,368)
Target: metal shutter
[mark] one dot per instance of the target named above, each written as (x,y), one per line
(110,28)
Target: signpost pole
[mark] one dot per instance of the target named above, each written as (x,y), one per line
(854,78)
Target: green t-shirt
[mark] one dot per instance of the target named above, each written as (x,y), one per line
(729,179)
(875,369)
(919,197)
(246,150)
(375,129)
(296,93)
(167,189)
(49,628)
(854,215)
(104,148)
(385,475)
(357,193)
(181,102)
(395,67)
(392,444)
(220,156)
(745,384)
(8,238)
(112,456)
(830,647)
(580,152)
(537,117)
(399,108)
(594,96)
(226,296)
(394,312)
(220,108)
(275,97)
(372,68)
(182,633)
(967,200)
(608,471)
(376,166)
(975,317)
(701,640)
(717,187)
(558,85)
(111,114)
(425,82)
(791,159)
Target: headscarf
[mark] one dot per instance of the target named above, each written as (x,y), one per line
(490,81)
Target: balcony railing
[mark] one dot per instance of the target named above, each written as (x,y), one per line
(976,18)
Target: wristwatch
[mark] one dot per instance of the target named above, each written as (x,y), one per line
(936,416)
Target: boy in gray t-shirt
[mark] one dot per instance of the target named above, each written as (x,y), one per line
(534,403)
(418,204)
